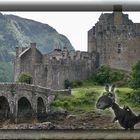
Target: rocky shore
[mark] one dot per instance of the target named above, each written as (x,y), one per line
(65,120)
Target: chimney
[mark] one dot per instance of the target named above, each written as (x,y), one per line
(117,8)
(33,45)
(118,18)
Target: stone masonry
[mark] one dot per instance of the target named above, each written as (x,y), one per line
(18,98)
(52,69)
(117,40)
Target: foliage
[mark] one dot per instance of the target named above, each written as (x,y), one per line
(67,84)
(75,84)
(135,96)
(131,97)
(107,75)
(103,75)
(135,76)
(72,84)
(83,99)
(25,77)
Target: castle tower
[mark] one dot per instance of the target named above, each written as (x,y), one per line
(91,40)
(117,15)
(116,38)
(17,62)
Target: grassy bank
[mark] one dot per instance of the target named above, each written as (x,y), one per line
(83,99)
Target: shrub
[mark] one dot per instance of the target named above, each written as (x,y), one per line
(79,83)
(116,75)
(135,96)
(120,83)
(67,84)
(117,91)
(135,76)
(106,74)
(75,84)
(25,77)
(57,103)
(90,93)
(103,75)
(72,84)
(66,104)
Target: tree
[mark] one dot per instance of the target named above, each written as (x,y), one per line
(25,77)
(103,74)
(106,74)
(135,76)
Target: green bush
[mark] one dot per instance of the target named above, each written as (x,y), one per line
(25,77)
(106,74)
(120,83)
(75,84)
(67,84)
(72,84)
(116,75)
(135,76)
(57,103)
(79,83)
(135,96)
(103,75)
(66,104)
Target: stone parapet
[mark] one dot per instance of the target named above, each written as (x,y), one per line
(32,88)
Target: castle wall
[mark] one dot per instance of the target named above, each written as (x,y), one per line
(117,18)
(26,62)
(117,40)
(17,62)
(55,73)
(51,70)
(26,59)
(91,40)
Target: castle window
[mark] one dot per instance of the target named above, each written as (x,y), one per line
(54,58)
(119,48)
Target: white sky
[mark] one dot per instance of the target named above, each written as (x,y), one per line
(74,25)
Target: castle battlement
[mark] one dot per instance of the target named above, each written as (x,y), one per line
(117,40)
(52,69)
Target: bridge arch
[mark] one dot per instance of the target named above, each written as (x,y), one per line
(24,107)
(4,108)
(41,107)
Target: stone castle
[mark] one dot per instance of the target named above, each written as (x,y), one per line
(114,40)
(117,40)
(52,69)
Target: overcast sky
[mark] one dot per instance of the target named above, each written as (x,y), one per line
(74,25)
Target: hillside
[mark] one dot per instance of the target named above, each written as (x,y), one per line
(20,32)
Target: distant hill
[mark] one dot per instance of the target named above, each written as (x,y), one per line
(20,32)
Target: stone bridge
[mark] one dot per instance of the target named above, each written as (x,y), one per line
(16,99)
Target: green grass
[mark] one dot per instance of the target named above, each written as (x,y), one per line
(83,99)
